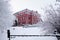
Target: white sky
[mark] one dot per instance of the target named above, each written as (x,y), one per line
(18,5)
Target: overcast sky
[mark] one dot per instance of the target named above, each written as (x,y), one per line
(18,5)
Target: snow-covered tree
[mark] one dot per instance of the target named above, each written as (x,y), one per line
(53,15)
(6,18)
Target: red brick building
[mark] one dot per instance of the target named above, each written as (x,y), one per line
(27,17)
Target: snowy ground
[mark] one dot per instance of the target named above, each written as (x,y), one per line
(26,31)
(30,31)
(34,38)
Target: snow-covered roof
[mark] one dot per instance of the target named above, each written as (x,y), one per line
(27,11)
